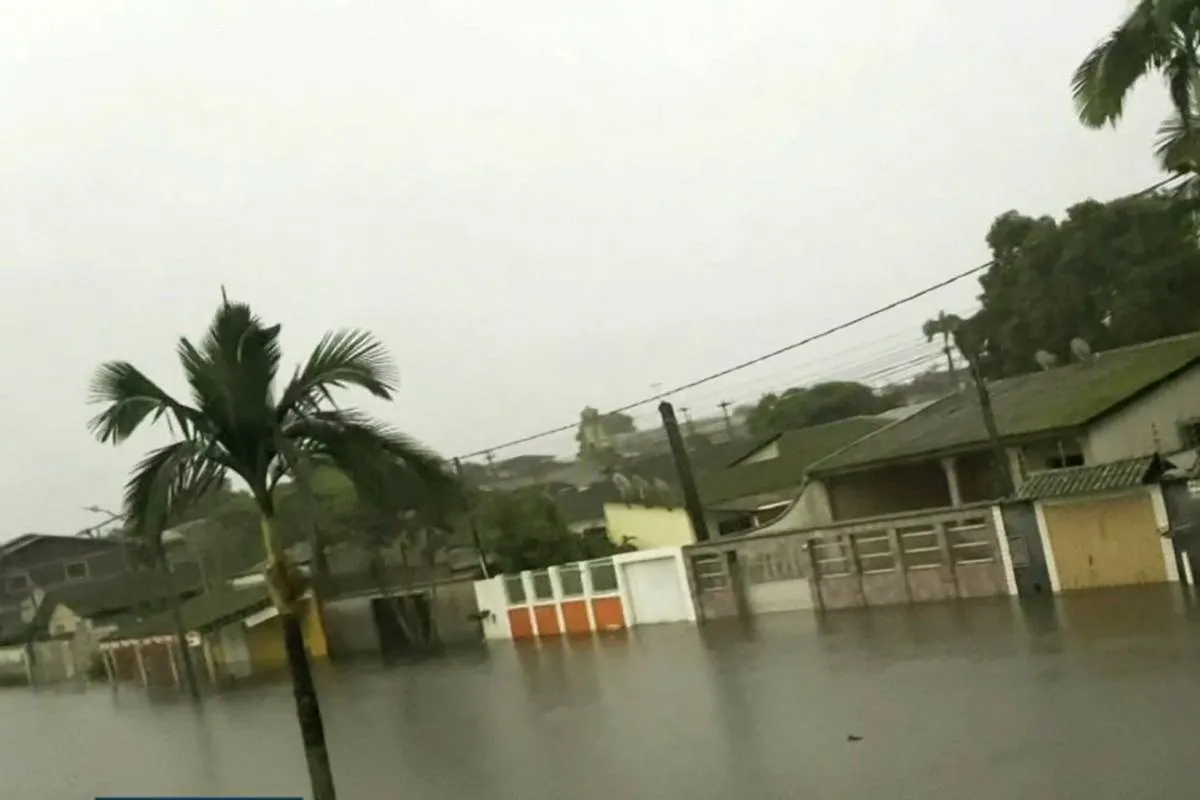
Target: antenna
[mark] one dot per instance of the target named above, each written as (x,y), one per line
(1081,350)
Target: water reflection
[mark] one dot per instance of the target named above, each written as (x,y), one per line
(1084,696)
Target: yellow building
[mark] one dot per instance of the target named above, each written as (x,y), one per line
(648,527)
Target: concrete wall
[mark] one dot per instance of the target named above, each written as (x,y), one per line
(1148,425)
(649,527)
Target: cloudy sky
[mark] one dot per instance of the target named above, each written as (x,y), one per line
(538,205)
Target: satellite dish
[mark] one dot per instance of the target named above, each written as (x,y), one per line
(1081,349)
(641,487)
(624,486)
(1045,359)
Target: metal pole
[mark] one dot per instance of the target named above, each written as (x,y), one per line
(475,540)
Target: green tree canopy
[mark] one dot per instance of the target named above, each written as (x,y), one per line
(1114,274)
(523,530)
(800,407)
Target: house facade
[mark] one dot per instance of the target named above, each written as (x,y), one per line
(47,562)
(1118,404)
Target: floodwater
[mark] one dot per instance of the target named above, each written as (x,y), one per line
(1094,697)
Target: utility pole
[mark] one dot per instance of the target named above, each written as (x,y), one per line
(1003,474)
(471,524)
(728,420)
(683,466)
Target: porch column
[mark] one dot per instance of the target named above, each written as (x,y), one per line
(171,656)
(141,664)
(950,467)
(109,672)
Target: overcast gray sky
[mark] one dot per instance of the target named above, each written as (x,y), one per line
(538,205)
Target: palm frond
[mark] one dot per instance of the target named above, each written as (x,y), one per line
(167,482)
(130,398)
(232,371)
(1104,78)
(377,458)
(342,359)
(1177,145)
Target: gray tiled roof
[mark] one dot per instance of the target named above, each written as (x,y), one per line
(1062,399)
(1115,475)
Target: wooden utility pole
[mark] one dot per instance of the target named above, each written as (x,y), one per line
(683,466)
(728,420)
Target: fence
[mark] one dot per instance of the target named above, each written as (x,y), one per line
(945,554)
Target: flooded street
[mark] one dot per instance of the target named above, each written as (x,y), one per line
(1092,698)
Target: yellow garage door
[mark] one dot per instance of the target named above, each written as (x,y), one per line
(1109,541)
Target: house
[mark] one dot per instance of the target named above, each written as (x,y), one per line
(36,560)
(233,633)
(1117,404)
(59,629)
(761,484)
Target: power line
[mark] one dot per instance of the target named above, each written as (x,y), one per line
(745,364)
(787,348)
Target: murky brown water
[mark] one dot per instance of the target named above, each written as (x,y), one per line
(1093,699)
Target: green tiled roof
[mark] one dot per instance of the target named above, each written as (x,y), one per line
(798,449)
(1041,402)
(203,613)
(1109,477)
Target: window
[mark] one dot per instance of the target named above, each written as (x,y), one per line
(710,572)
(542,588)
(1189,433)
(919,547)
(604,576)
(17,582)
(1064,461)
(514,588)
(76,570)
(970,541)
(572,580)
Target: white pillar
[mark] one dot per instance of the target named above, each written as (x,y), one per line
(950,468)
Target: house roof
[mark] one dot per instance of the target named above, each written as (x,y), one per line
(106,595)
(1115,475)
(1057,400)
(581,505)
(798,449)
(202,613)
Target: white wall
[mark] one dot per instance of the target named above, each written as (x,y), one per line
(650,527)
(493,608)
(678,574)
(1147,425)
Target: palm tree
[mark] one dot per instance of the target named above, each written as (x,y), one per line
(1158,36)
(238,423)
(944,325)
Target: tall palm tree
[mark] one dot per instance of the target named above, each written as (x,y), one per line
(1158,36)
(239,423)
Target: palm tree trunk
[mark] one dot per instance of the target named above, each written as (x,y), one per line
(308,709)
(189,669)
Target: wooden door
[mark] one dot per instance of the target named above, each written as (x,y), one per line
(1106,541)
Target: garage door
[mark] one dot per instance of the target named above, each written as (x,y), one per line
(1111,541)
(655,591)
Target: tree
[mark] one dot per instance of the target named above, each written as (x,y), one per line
(818,404)
(1114,274)
(524,530)
(1158,36)
(945,326)
(239,423)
